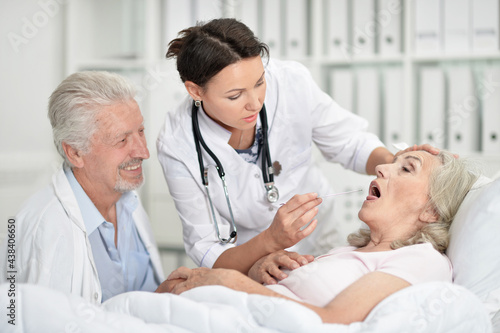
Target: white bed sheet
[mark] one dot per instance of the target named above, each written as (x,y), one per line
(430,307)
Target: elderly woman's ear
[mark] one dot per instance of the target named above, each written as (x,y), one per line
(429,215)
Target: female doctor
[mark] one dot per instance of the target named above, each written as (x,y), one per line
(239,147)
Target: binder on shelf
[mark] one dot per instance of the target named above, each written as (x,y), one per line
(431,103)
(178,16)
(368,98)
(395,124)
(337,27)
(296,28)
(456,26)
(389,20)
(247,12)
(271,26)
(427,32)
(485,18)
(342,87)
(462,111)
(364,28)
(490,100)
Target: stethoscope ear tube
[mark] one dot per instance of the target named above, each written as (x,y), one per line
(267,167)
(196,128)
(267,170)
(198,139)
(234,234)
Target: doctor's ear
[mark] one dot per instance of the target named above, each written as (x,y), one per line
(73,155)
(194,90)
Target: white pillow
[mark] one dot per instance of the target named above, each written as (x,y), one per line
(474,246)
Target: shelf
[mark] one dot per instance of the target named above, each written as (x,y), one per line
(401,59)
(114,64)
(361,61)
(455,57)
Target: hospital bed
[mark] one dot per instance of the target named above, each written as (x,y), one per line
(470,304)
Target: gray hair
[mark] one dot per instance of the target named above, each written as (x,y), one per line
(76,102)
(449,183)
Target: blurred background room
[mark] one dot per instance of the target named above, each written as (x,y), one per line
(421,71)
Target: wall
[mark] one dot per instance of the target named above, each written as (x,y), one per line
(31,53)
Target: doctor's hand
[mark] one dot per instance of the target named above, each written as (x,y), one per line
(427,147)
(268,269)
(290,224)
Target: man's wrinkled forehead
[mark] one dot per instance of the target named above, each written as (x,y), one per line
(112,124)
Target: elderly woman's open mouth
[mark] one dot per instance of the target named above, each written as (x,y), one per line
(374,192)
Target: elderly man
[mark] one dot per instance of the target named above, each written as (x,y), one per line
(87,232)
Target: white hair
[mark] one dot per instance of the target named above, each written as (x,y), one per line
(76,102)
(449,183)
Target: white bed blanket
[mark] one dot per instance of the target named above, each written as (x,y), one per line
(430,307)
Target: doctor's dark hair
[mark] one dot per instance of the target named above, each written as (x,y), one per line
(204,50)
(76,102)
(449,183)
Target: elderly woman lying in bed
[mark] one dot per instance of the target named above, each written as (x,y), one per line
(409,208)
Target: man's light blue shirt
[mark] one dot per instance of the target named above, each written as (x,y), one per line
(121,268)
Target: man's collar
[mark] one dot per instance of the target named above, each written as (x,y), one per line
(92,218)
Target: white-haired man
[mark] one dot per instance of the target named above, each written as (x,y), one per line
(87,232)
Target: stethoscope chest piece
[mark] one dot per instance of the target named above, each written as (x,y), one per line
(272,193)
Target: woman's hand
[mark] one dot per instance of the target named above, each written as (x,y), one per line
(267,270)
(289,224)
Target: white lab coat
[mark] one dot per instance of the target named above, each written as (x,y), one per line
(298,113)
(52,246)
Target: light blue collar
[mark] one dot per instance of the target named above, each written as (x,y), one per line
(92,218)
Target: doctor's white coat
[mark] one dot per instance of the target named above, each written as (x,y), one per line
(299,114)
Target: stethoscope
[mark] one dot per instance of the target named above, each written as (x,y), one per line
(267,170)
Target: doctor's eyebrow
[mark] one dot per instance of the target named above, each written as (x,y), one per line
(241,89)
(261,77)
